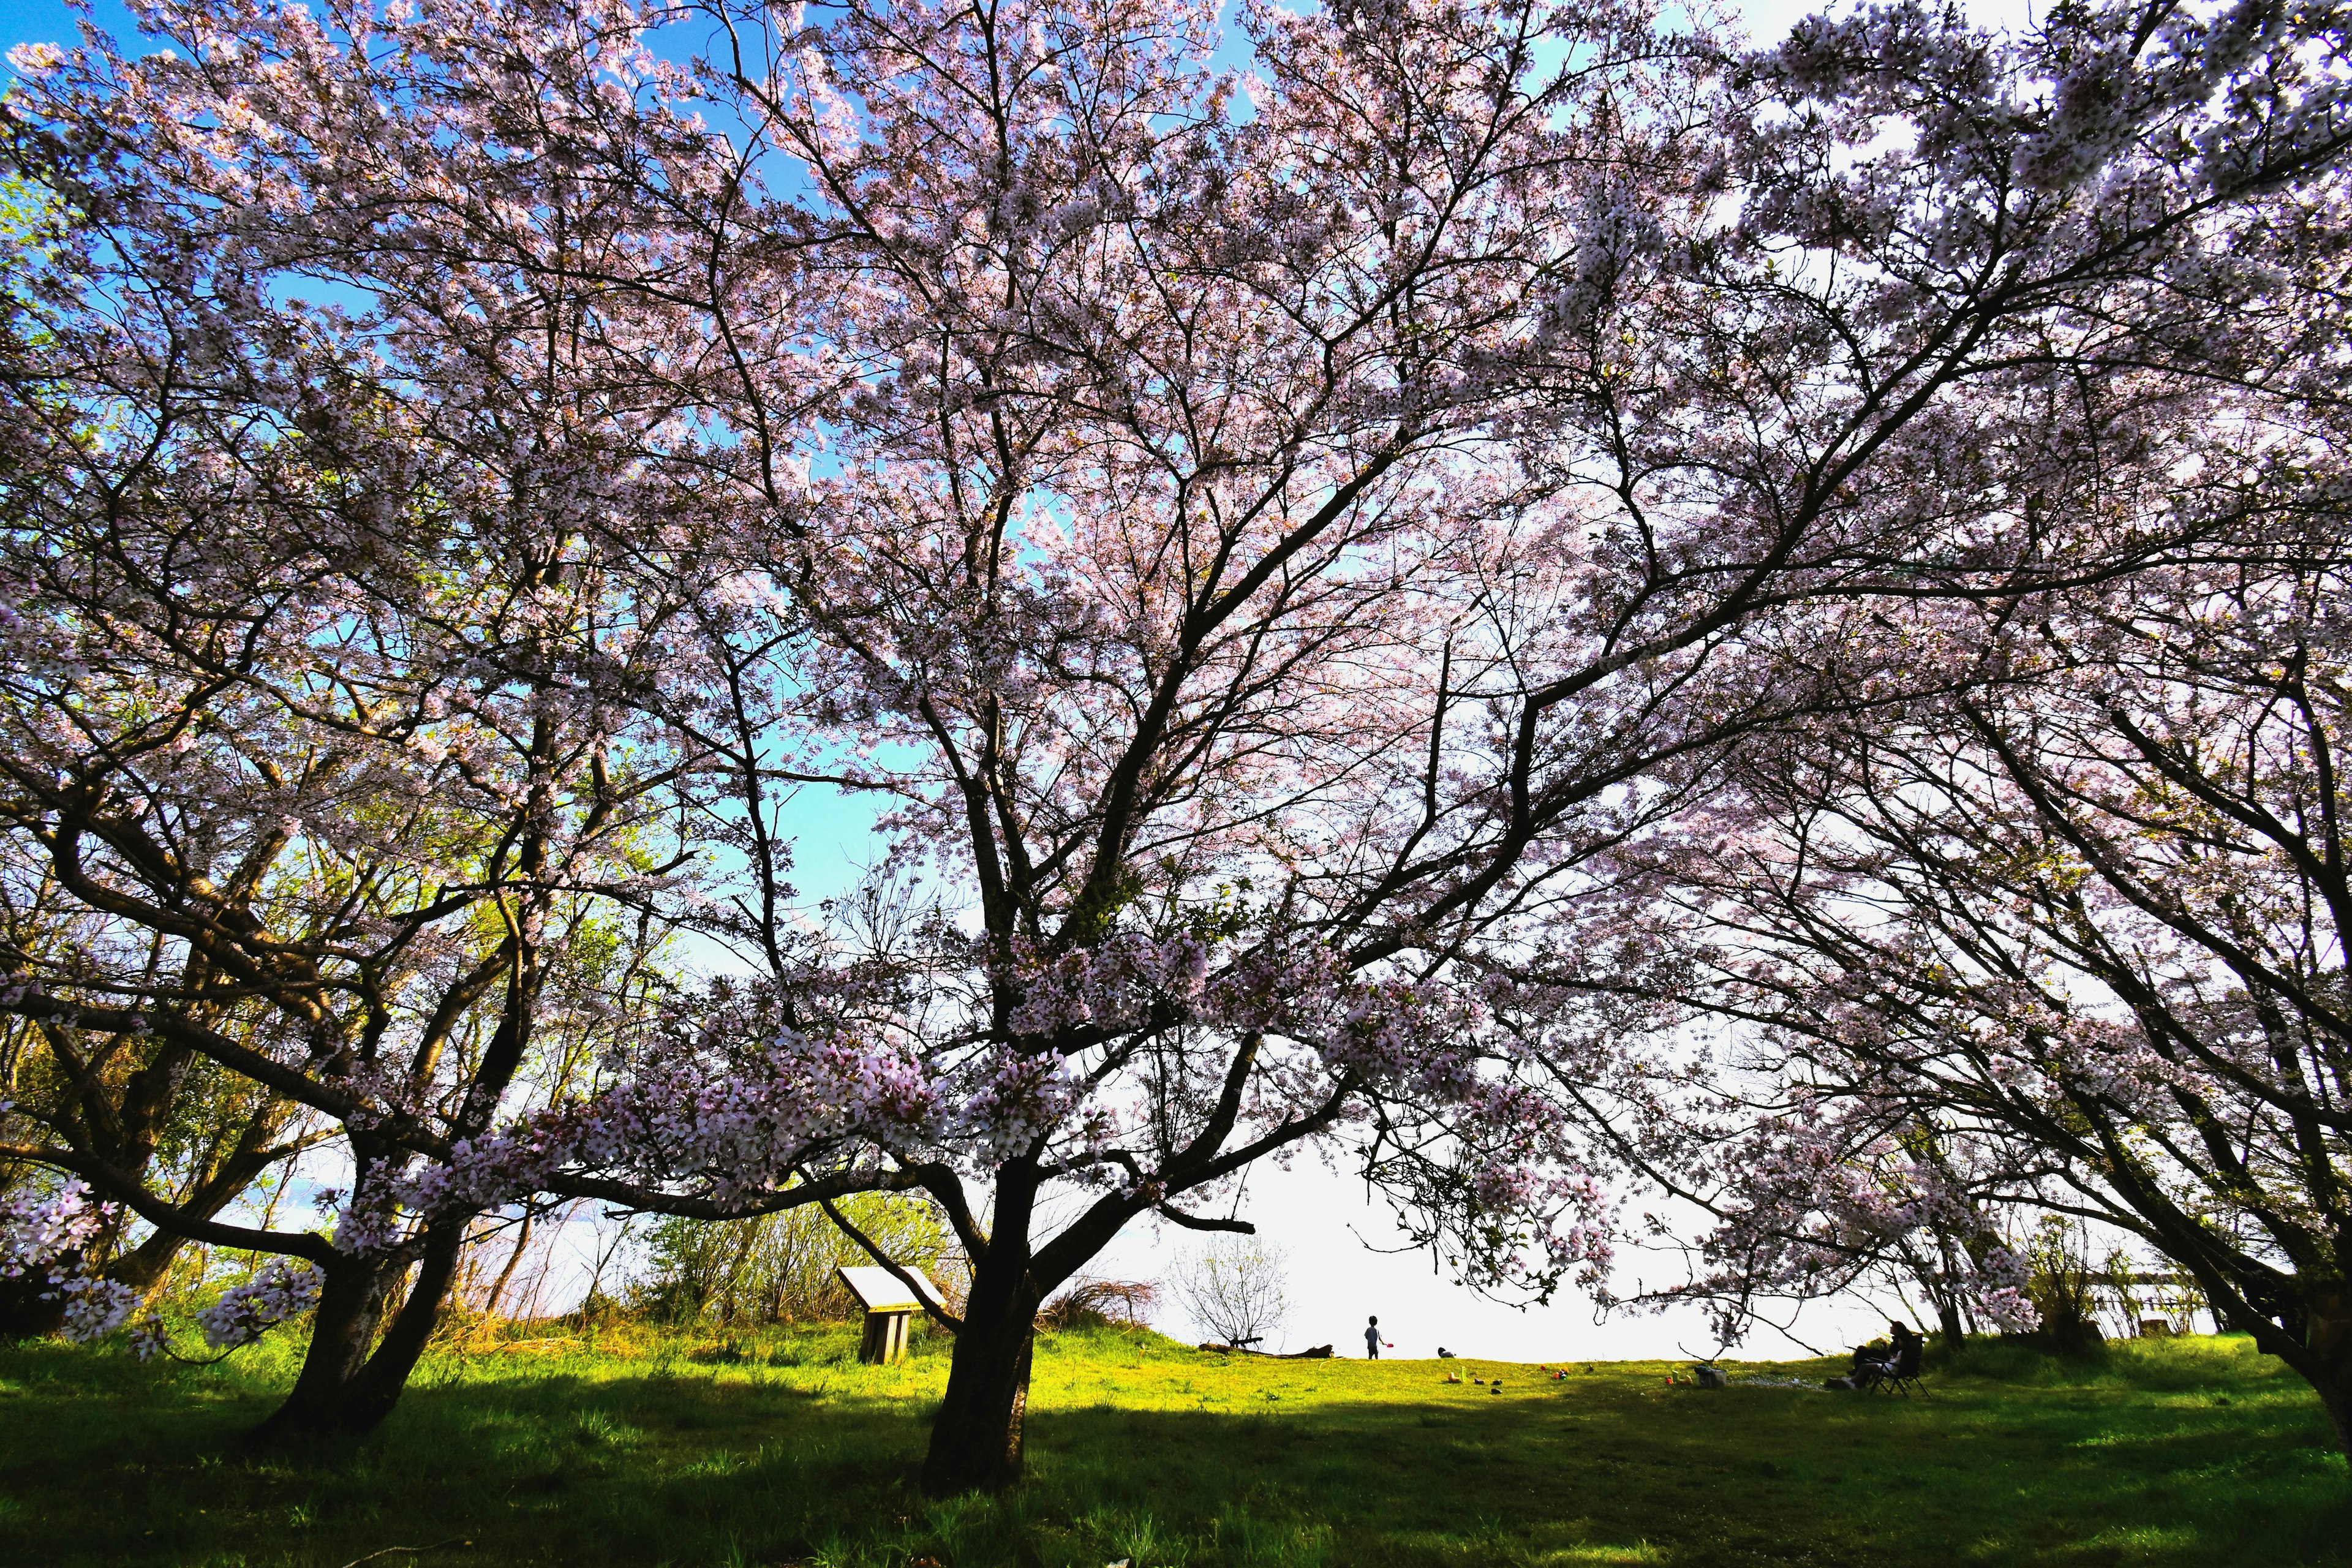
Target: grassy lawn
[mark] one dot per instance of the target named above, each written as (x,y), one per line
(633,1452)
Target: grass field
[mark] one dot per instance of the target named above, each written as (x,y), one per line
(647,1450)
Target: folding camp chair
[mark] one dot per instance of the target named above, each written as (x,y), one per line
(1898,1374)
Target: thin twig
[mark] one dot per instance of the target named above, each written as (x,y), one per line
(412,1550)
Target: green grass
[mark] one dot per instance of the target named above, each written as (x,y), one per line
(2199,1451)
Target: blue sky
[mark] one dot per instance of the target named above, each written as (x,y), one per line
(47,22)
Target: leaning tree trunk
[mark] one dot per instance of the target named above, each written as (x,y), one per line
(343,1389)
(2313,1336)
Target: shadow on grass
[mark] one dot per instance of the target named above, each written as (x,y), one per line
(2189,1458)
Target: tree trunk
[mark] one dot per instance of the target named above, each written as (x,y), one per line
(976,1438)
(143,1267)
(2335,1397)
(23,1314)
(381,1382)
(342,1389)
(351,1306)
(1948,1319)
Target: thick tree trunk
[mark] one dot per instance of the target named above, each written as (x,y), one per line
(2335,1397)
(342,1389)
(350,1307)
(380,1383)
(977,1437)
(143,1266)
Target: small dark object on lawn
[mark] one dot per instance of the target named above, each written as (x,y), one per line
(1317,1353)
(1711,1377)
(1496,1389)
(1478,1379)
(1444,1354)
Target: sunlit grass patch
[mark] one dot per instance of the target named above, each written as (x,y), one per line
(787,1452)
(2138,1543)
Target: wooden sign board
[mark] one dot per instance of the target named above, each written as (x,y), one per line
(879,1291)
(888,1304)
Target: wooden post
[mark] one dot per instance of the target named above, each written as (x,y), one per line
(884,1339)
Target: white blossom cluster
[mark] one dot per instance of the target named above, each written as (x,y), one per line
(279,1290)
(95,1307)
(39,1228)
(41,1237)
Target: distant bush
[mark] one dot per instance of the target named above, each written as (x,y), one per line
(1233,1289)
(2063,1285)
(1100,1304)
(779,1267)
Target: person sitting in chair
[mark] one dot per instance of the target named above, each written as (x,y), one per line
(1891,1363)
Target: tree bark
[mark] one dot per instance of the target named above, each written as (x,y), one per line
(1947,1319)
(351,1306)
(977,1437)
(379,1386)
(342,1389)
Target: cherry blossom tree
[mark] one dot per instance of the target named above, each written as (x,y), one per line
(2084,934)
(1280,568)
(2174,180)
(325,659)
(1276,547)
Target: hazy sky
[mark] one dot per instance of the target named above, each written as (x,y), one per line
(1322,1220)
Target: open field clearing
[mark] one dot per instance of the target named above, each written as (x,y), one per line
(659,1451)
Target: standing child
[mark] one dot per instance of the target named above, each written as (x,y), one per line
(1372,1338)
